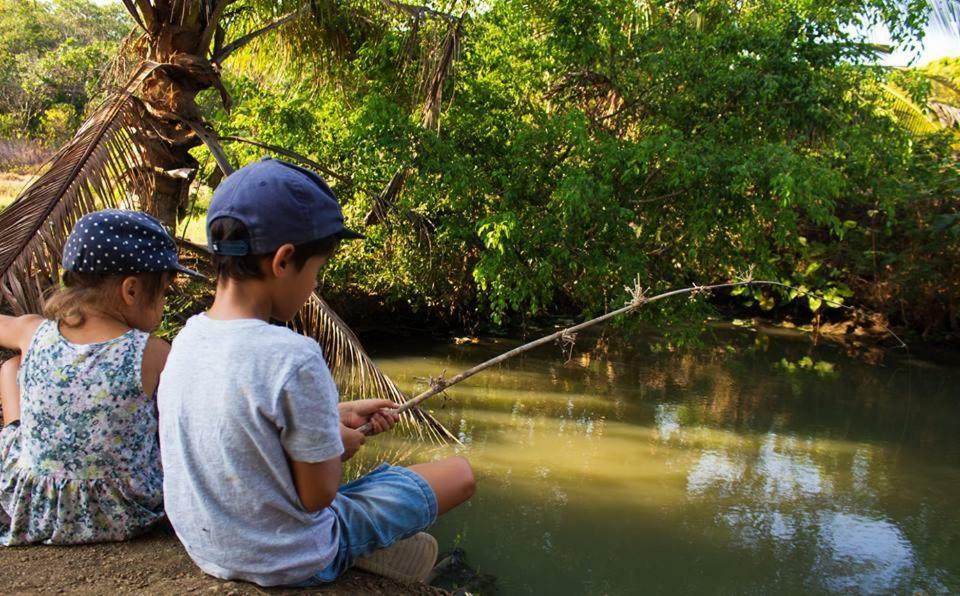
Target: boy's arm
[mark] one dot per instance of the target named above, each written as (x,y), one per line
(16,332)
(309,423)
(316,483)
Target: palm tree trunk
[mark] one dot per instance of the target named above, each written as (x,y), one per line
(176,38)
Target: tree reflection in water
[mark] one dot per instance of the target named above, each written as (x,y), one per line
(711,471)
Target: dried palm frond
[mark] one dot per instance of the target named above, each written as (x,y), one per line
(442,67)
(948,115)
(354,371)
(385,201)
(100,167)
(398,453)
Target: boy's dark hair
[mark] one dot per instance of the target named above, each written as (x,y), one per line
(248,266)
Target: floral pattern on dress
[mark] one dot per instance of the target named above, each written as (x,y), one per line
(84,463)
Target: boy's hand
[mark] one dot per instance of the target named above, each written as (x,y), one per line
(352,441)
(380,413)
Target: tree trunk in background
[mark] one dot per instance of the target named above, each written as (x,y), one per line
(168,100)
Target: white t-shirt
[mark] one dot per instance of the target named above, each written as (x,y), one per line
(236,399)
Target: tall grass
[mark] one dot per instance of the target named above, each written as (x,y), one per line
(20,159)
(22,155)
(10,185)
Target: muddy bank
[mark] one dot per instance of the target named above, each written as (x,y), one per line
(152,564)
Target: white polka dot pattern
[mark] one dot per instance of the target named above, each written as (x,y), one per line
(117,241)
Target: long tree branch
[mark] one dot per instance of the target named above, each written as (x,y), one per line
(210,140)
(417,11)
(132,9)
(293,155)
(238,43)
(213,21)
(638,299)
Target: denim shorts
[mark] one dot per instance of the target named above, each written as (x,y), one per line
(387,505)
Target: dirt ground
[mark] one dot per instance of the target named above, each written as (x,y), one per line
(152,564)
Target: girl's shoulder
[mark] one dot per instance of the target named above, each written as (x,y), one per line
(30,324)
(154,359)
(18,332)
(156,350)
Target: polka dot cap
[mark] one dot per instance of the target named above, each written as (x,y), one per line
(115,241)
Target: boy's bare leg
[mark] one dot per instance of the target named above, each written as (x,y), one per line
(451,480)
(10,390)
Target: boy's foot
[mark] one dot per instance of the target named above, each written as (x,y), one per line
(408,561)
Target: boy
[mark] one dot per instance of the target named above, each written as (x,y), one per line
(252,436)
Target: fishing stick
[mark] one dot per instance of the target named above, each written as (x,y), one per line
(638,299)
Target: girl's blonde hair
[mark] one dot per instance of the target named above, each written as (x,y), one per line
(80,292)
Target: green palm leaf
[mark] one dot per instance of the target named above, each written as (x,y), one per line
(908,113)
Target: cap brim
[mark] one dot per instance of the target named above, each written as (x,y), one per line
(348,234)
(180,268)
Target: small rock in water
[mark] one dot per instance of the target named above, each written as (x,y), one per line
(452,572)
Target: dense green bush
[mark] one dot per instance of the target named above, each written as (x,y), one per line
(51,57)
(583,144)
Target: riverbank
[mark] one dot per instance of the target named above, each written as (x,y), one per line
(152,564)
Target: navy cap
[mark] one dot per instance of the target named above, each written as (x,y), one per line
(279,203)
(115,241)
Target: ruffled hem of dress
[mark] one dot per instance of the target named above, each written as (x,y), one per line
(52,510)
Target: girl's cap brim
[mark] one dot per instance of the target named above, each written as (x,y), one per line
(181,269)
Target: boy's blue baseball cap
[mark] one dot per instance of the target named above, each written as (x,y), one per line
(279,203)
(117,241)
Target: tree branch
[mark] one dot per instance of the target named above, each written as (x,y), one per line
(210,140)
(293,155)
(417,11)
(242,41)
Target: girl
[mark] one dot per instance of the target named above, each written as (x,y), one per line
(79,459)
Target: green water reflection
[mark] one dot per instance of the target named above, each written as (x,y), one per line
(712,472)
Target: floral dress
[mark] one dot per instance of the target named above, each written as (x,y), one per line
(83,465)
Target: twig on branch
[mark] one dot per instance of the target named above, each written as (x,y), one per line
(568,341)
(637,299)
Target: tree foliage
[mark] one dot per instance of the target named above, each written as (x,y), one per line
(586,143)
(51,58)
(512,159)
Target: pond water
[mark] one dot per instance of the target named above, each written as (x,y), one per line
(716,471)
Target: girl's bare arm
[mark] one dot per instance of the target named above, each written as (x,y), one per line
(16,332)
(154,359)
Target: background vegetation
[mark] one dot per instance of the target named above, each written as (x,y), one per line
(52,56)
(582,144)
